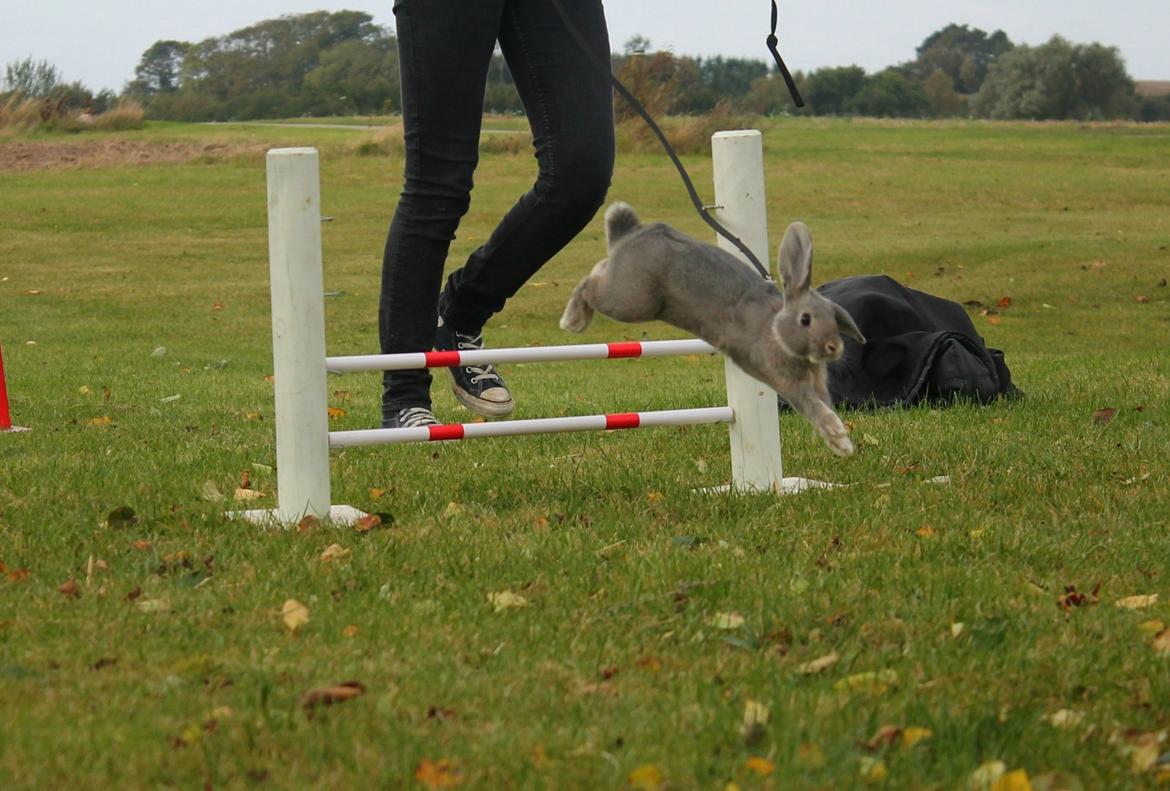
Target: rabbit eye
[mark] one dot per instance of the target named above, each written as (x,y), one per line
(805,319)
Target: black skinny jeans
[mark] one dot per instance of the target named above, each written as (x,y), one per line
(445,50)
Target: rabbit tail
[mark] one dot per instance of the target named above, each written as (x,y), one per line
(619,221)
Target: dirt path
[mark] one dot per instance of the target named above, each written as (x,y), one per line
(68,154)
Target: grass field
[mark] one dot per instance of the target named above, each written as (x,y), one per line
(896,633)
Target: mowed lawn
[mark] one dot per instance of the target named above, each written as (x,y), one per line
(985,602)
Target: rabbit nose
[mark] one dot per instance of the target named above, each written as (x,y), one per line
(832,347)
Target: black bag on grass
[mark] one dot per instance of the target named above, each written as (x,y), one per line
(918,348)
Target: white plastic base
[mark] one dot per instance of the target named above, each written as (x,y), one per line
(14,430)
(788,486)
(339,516)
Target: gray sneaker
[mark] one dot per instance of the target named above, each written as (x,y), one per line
(411,417)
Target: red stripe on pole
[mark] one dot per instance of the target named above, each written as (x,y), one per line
(623,420)
(446,431)
(5,417)
(442,359)
(620,350)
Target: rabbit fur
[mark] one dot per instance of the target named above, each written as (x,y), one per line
(785,340)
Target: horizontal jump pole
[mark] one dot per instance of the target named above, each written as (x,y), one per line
(550,425)
(531,354)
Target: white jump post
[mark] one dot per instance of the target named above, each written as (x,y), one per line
(738,161)
(298,340)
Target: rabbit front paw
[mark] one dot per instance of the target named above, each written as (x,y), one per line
(836,435)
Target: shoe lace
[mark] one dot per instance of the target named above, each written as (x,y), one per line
(468,343)
(416,417)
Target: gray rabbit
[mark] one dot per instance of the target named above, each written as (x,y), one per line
(786,341)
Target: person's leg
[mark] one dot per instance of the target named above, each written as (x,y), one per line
(445,49)
(569,102)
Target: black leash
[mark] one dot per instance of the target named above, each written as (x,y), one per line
(772,44)
(641,111)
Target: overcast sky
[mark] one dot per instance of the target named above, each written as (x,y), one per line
(99,42)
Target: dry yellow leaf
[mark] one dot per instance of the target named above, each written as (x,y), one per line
(104,420)
(1013,781)
(349,631)
(247,495)
(913,735)
(872,682)
(1065,719)
(294,615)
(873,770)
(655,497)
(506,600)
(761,766)
(646,777)
(819,665)
(1137,602)
(986,775)
(442,773)
(1151,627)
(376,493)
(727,620)
(755,713)
(335,552)
(336,412)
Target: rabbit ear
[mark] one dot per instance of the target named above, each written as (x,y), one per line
(846,325)
(795,262)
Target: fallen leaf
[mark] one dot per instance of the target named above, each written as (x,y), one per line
(506,600)
(885,736)
(756,713)
(655,497)
(646,777)
(377,494)
(1013,781)
(1004,302)
(104,420)
(308,524)
(335,552)
(1137,602)
(651,664)
(294,615)
(1162,643)
(987,774)
(810,756)
(210,492)
(871,682)
(819,665)
(18,575)
(134,594)
(154,605)
(350,631)
(873,770)
(957,630)
(727,621)
(925,532)
(1142,299)
(336,412)
(248,495)
(328,696)
(367,523)
(141,545)
(70,589)
(253,416)
(1103,416)
(1065,719)
(453,509)
(913,735)
(760,766)
(1073,598)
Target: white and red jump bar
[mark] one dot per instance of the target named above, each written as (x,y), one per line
(532,354)
(514,428)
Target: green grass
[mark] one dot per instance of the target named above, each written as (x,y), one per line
(616,664)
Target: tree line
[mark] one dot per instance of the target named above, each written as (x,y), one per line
(342,63)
